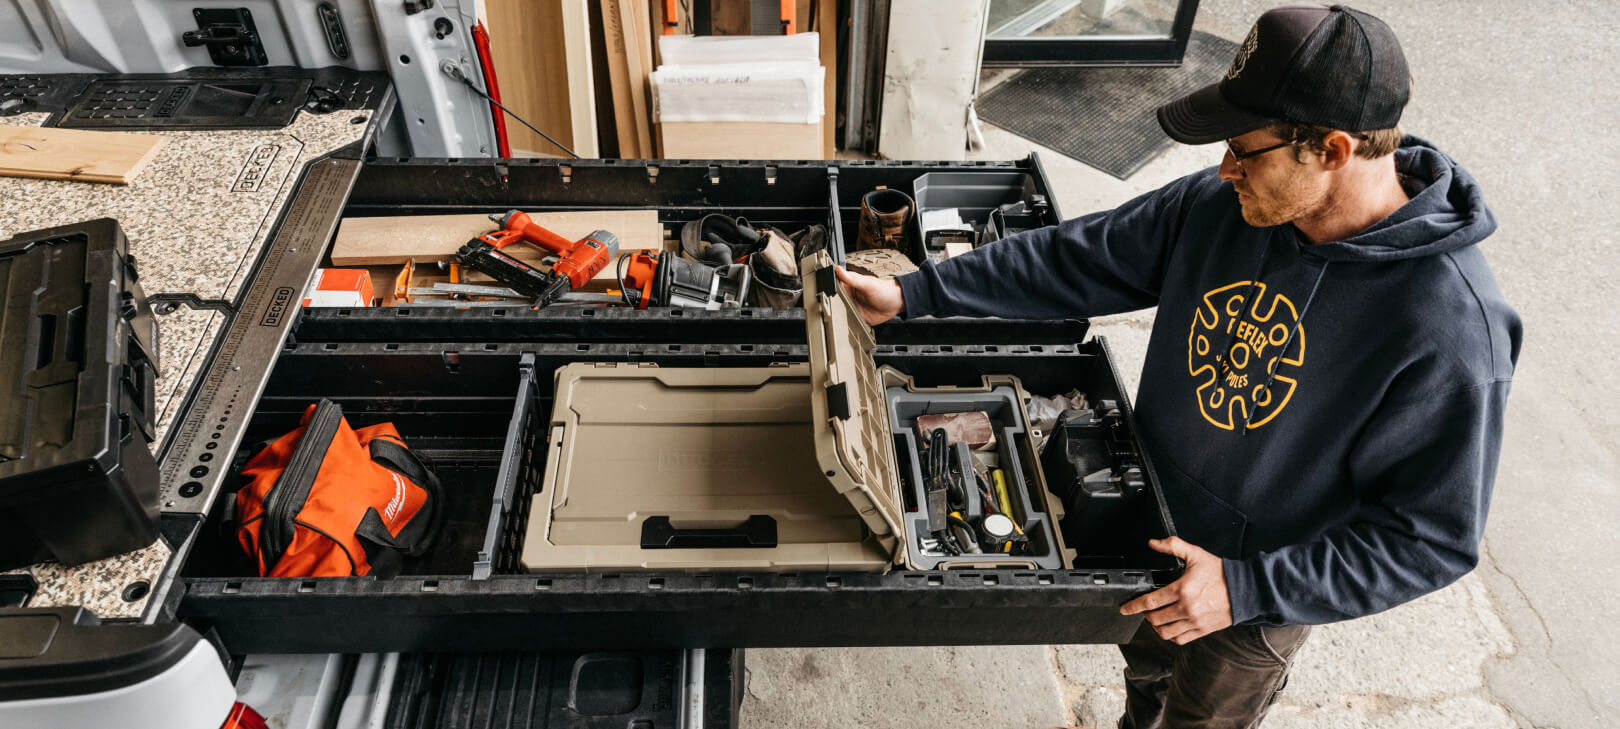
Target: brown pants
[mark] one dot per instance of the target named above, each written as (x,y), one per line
(1224,680)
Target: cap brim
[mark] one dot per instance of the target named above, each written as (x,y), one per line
(1205,116)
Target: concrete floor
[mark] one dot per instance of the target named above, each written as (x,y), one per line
(1523,95)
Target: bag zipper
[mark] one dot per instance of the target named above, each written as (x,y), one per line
(291,490)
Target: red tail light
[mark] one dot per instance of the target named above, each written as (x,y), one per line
(486,61)
(244,717)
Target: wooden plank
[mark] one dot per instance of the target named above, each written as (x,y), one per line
(75,154)
(655,16)
(647,28)
(393,240)
(638,32)
(576,32)
(618,44)
(531,65)
(740,140)
(826,23)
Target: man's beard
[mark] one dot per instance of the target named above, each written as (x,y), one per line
(1300,199)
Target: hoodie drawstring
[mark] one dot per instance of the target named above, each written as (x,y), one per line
(1243,310)
(1249,415)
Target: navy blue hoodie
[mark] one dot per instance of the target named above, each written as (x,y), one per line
(1340,458)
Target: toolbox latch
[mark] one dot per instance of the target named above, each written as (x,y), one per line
(229,34)
(838,400)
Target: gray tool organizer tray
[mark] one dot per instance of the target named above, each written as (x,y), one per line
(1026,488)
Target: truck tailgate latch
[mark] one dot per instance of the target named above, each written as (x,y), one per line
(229,34)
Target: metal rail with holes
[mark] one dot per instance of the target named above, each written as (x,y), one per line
(198,455)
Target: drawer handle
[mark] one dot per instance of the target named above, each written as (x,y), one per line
(756,533)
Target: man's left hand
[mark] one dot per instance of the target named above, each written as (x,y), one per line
(1191,607)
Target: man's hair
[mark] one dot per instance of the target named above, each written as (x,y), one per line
(1377,143)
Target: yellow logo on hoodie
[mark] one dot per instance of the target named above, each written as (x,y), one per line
(1231,353)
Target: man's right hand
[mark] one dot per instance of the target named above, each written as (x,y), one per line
(879,299)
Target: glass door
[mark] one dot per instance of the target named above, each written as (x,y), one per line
(1088,32)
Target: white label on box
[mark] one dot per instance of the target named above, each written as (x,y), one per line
(768,92)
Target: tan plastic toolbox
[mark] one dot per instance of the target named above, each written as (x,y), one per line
(782,468)
(646,459)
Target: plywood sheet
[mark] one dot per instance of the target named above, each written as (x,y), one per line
(541,52)
(395,239)
(576,30)
(533,76)
(75,154)
(618,77)
(825,24)
(639,25)
(740,140)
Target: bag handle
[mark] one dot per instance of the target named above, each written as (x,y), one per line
(417,536)
(291,490)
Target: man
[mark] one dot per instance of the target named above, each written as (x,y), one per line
(1323,391)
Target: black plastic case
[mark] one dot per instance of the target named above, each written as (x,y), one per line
(77,481)
(463,386)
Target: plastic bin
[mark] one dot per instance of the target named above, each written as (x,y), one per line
(1027,490)
(978,198)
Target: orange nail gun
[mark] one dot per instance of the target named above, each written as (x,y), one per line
(576,262)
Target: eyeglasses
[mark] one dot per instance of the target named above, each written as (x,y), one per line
(1240,156)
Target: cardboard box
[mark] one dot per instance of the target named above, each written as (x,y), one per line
(742,97)
(340,287)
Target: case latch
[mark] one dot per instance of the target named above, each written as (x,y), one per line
(838,400)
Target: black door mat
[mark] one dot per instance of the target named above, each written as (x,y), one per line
(1103,117)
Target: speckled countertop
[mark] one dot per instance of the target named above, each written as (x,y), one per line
(196,219)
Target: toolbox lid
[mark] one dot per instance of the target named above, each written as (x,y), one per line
(658,468)
(850,414)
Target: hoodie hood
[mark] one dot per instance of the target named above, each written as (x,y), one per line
(1447,212)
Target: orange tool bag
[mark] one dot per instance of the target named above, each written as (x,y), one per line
(329,501)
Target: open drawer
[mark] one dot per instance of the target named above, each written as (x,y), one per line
(455,402)
(476,389)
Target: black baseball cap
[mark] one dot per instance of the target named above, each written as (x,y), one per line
(1309,64)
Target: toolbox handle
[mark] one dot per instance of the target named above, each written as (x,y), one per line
(758,532)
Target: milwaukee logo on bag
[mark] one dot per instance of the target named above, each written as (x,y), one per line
(329,501)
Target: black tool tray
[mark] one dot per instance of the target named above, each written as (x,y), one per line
(470,389)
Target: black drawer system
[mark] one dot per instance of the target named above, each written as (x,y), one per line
(472,389)
(454,403)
